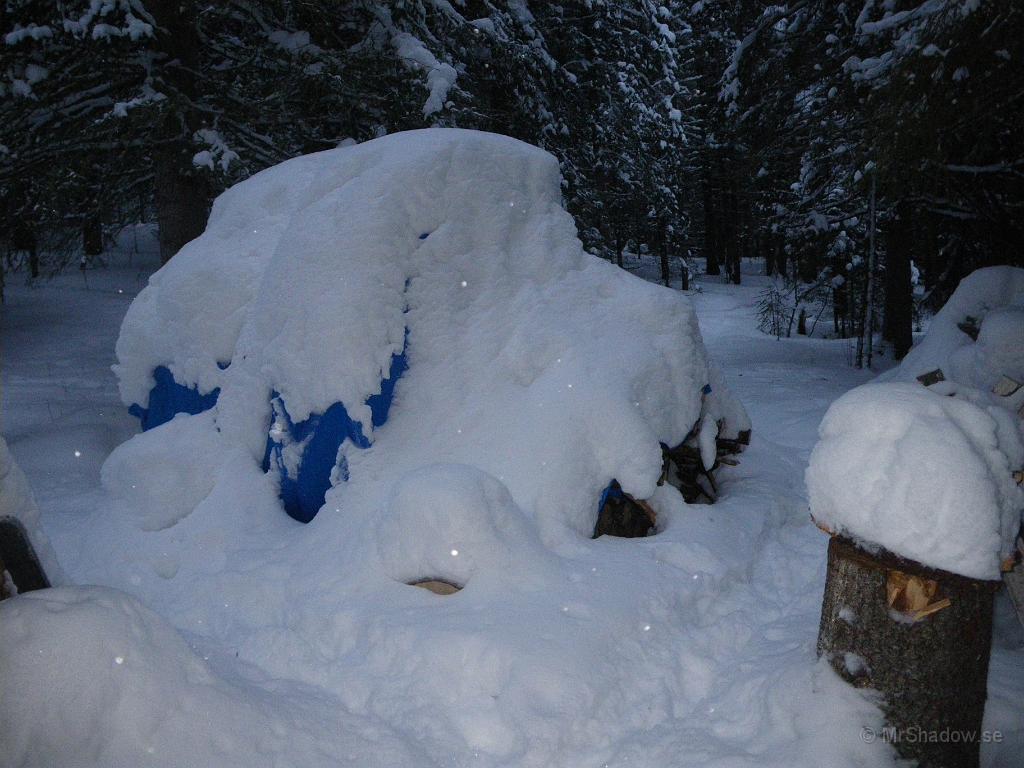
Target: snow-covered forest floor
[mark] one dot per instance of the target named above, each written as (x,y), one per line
(692,647)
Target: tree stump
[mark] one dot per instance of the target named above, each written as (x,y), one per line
(919,636)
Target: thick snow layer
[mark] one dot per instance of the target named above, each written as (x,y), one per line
(528,358)
(921,473)
(189,316)
(186,477)
(16,502)
(95,678)
(546,660)
(993,298)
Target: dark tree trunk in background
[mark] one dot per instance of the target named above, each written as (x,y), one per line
(932,672)
(181,193)
(711,240)
(840,309)
(92,236)
(733,248)
(898,320)
(780,254)
(181,206)
(663,255)
(24,239)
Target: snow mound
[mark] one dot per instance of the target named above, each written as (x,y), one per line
(101,680)
(449,250)
(921,473)
(450,522)
(160,482)
(989,302)
(17,502)
(189,316)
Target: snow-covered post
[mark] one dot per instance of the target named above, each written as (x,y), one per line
(916,489)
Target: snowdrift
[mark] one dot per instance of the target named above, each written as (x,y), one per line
(436,269)
(978,335)
(933,445)
(515,376)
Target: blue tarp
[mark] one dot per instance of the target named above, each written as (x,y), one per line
(613,491)
(303,495)
(168,398)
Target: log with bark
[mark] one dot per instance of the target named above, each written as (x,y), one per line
(920,637)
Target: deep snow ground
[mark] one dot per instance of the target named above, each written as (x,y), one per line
(730,681)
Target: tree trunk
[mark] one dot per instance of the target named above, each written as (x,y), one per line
(734,244)
(869,318)
(180,204)
(663,255)
(182,192)
(932,672)
(711,241)
(92,236)
(33,261)
(897,327)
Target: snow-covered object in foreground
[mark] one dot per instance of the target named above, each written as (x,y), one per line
(16,502)
(991,300)
(92,677)
(527,357)
(923,474)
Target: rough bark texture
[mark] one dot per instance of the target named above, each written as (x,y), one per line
(932,672)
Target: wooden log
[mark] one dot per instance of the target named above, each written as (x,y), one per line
(919,636)
(21,561)
(624,516)
(437,586)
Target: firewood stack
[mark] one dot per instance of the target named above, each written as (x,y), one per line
(685,469)
(625,516)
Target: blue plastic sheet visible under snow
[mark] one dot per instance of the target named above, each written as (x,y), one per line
(613,491)
(303,494)
(168,398)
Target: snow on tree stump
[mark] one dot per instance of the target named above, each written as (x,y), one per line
(919,636)
(917,486)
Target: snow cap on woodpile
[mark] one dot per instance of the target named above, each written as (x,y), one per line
(977,337)
(923,474)
(528,358)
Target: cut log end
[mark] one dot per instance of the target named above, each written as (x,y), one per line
(437,586)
